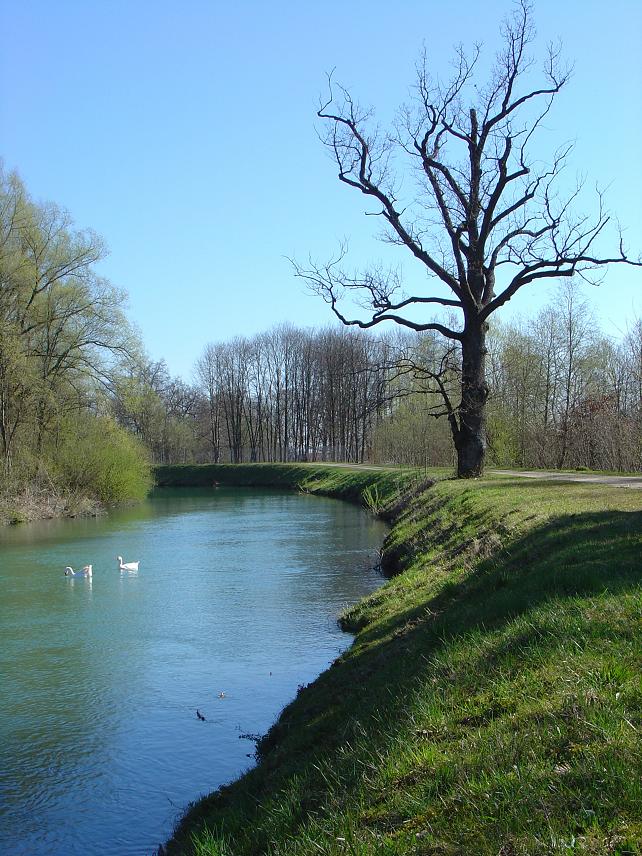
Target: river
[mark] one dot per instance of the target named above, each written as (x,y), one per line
(233,607)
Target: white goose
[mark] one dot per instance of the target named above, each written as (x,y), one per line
(84,572)
(127,566)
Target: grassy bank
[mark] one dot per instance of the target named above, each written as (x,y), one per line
(491,702)
(360,485)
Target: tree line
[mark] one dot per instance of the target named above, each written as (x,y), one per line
(561,394)
(289,394)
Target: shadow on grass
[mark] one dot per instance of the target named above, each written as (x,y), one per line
(586,553)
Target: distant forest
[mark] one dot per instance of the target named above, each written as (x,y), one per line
(84,412)
(562,395)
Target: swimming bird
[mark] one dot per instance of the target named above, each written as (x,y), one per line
(200,716)
(127,566)
(85,572)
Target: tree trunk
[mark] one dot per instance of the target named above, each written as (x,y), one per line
(470,439)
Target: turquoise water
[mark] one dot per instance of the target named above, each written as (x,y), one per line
(233,607)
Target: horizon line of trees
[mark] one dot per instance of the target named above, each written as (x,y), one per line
(561,394)
(289,394)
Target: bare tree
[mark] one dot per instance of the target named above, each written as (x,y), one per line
(208,374)
(487,219)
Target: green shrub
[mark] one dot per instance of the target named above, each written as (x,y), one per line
(94,455)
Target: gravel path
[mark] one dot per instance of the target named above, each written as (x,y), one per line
(633,482)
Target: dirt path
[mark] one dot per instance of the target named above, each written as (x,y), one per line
(633,482)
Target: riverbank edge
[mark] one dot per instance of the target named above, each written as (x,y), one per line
(449,542)
(30,505)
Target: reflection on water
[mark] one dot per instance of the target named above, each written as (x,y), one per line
(234,606)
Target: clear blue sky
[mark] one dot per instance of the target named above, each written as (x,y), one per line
(184,133)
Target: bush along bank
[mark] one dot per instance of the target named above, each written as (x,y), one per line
(93,465)
(491,701)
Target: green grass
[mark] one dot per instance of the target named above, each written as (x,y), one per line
(491,702)
(347,483)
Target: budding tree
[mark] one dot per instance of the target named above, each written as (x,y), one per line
(487,218)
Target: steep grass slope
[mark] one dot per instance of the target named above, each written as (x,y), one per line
(491,702)
(353,484)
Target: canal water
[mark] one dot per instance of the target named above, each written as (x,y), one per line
(234,606)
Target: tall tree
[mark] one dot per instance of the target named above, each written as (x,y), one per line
(488,217)
(61,325)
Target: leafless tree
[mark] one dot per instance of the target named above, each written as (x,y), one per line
(208,377)
(487,219)
(293,395)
